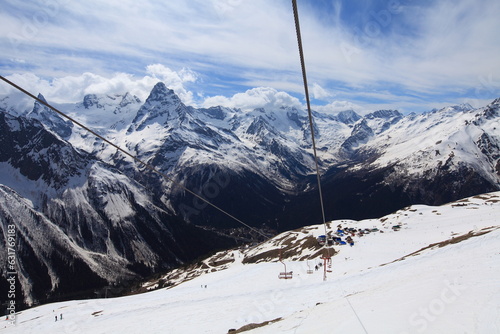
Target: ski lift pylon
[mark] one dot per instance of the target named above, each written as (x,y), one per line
(327,263)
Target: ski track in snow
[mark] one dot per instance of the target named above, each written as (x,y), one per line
(375,287)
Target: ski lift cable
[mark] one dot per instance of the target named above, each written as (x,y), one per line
(135,158)
(309,112)
(302,63)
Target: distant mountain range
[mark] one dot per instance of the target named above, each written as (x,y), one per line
(88,216)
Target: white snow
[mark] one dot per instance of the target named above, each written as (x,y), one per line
(31,190)
(390,282)
(424,142)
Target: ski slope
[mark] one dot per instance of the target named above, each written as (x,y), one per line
(440,273)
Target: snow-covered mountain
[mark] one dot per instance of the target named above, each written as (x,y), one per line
(431,158)
(109,211)
(421,269)
(383,160)
(81,224)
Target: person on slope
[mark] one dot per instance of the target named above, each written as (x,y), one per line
(349,241)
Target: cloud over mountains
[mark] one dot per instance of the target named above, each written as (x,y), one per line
(377,54)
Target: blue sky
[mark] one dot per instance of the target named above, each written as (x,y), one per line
(365,54)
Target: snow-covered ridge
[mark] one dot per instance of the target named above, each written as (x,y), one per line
(453,137)
(426,269)
(80,223)
(163,128)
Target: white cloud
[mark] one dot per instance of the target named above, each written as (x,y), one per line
(74,88)
(261,97)
(174,80)
(453,43)
(337,106)
(235,32)
(427,48)
(423,49)
(319,92)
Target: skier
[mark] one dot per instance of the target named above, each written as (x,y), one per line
(60,316)
(349,241)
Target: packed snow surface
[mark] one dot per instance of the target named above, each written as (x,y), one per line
(438,273)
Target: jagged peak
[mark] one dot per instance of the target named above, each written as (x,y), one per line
(90,100)
(492,110)
(466,106)
(462,107)
(38,107)
(495,102)
(160,93)
(384,114)
(129,99)
(217,112)
(348,116)
(294,115)
(41,97)
(51,120)
(257,125)
(162,104)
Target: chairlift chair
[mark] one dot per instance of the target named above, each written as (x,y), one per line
(309,270)
(285,274)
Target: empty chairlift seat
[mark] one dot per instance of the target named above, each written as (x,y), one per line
(286,275)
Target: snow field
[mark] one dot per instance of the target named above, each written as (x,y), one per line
(447,288)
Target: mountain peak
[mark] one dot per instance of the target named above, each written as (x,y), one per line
(384,114)
(90,100)
(161,93)
(161,105)
(348,116)
(39,107)
(129,99)
(462,107)
(41,97)
(217,112)
(466,106)
(50,119)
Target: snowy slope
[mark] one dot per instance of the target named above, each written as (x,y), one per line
(437,274)
(449,137)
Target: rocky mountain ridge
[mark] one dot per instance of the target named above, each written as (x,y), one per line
(80,224)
